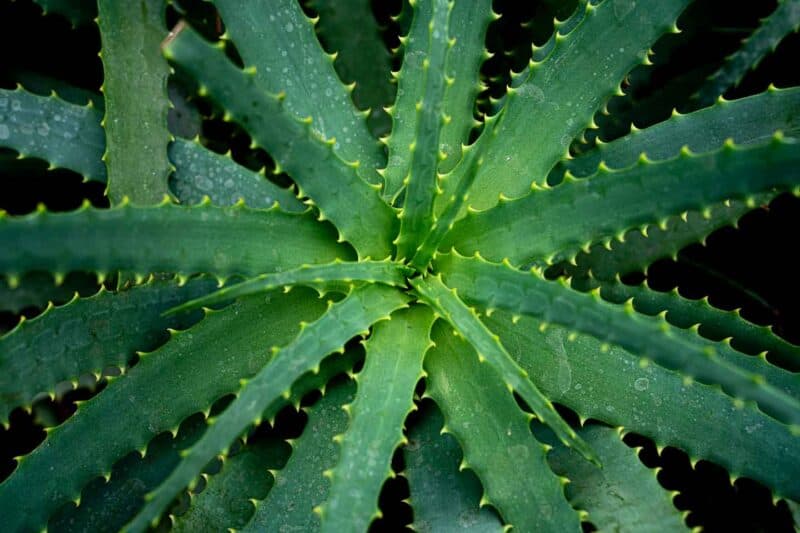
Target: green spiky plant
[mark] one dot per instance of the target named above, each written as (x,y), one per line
(416,269)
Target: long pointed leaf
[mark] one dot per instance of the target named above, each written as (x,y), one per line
(166,238)
(464,319)
(331,182)
(385,396)
(342,321)
(494,285)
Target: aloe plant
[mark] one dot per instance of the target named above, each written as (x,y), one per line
(394,274)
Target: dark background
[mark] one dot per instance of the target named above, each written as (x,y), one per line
(751,267)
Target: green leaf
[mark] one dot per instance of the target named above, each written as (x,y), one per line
(200,172)
(464,319)
(313,275)
(163,389)
(576,370)
(499,286)
(443,497)
(301,486)
(747,121)
(86,336)
(638,251)
(134,476)
(361,57)
(165,238)
(773,29)
(354,206)
(496,438)
(410,88)
(614,201)
(420,182)
(225,502)
(63,134)
(560,91)
(385,396)
(38,289)
(624,495)
(105,505)
(356,313)
(468,24)
(276,38)
(713,323)
(136,102)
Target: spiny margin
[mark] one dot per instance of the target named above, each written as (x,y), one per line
(386,272)
(363,307)
(560,90)
(278,40)
(420,184)
(164,388)
(624,495)
(300,486)
(613,201)
(447,304)
(495,435)
(783,21)
(443,496)
(747,120)
(136,101)
(651,338)
(385,396)
(709,321)
(331,183)
(607,383)
(166,238)
(200,172)
(87,335)
(46,127)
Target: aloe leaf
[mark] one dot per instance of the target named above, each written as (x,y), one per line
(332,183)
(613,201)
(576,370)
(225,502)
(496,438)
(562,88)
(464,319)
(385,272)
(300,486)
(747,121)
(443,497)
(104,504)
(416,216)
(166,238)
(468,24)
(783,21)
(361,57)
(276,38)
(356,313)
(528,293)
(410,87)
(63,134)
(58,345)
(638,251)
(713,323)
(200,172)
(165,387)
(134,476)
(136,102)
(38,289)
(385,396)
(624,495)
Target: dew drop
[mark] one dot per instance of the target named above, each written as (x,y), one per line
(641,384)
(4,133)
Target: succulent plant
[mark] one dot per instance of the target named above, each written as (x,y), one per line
(414,272)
